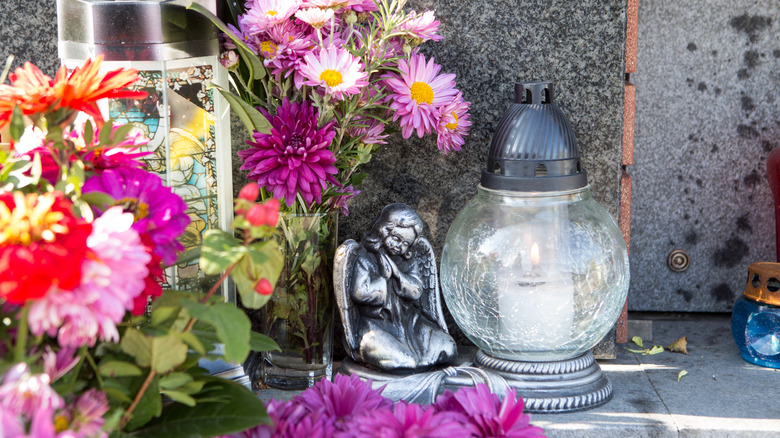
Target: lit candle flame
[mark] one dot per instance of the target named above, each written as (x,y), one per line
(535,254)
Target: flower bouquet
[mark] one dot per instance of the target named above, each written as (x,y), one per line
(321,84)
(90,344)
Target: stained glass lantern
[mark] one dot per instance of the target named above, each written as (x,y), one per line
(534,270)
(176,51)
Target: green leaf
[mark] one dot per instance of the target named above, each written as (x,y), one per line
(231,324)
(252,119)
(265,261)
(118,368)
(193,342)
(89,132)
(180,397)
(121,133)
(638,341)
(161,314)
(117,394)
(219,251)
(228,408)
(100,200)
(261,342)
(138,346)
(16,129)
(150,406)
(681,374)
(162,353)
(104,135)
(175,380)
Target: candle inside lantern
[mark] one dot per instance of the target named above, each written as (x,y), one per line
(537,309)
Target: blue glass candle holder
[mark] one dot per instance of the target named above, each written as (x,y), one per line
(755,320)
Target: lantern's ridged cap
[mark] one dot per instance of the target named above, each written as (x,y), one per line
(534,148)
(127,30)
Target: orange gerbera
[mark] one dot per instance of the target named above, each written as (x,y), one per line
(30,89)
(85,86)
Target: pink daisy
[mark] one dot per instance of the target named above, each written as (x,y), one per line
(332,4)
(315,17)
(422,26)
(419,93)
(336,70)
(453,124)
(111,279)
(263,14)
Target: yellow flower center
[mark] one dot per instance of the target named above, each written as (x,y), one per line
(271,12)
(139,209)
(331,77)
(454,124)
(268,49)
(422,93)
(30,221)
(60,423)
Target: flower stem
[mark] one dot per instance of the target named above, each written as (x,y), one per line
(138,396)
(21,336)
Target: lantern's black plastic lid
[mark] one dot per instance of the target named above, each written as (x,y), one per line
(534,148)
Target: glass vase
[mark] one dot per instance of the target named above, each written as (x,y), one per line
(299,316)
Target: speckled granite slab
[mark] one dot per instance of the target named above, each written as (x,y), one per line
(489,45)
(707,114)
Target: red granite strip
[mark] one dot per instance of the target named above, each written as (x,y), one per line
(621,336)
(632,30)
(629,112)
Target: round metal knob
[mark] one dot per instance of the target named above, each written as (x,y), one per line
(678,260)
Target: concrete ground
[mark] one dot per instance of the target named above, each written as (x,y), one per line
(721,396)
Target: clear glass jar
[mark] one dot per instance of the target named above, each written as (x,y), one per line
(536,276)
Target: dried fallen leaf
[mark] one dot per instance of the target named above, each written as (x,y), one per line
(679,346)
(638,341)
(655,350)
(681,374)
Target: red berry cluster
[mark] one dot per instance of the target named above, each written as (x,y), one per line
(257,214)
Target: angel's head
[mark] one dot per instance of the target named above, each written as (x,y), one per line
(396,230)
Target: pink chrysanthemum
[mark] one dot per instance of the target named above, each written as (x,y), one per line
(264,14)
(336,70)
(315,17)
(346,397)
(111,278)
(369,131)
(487,415)
(407,421)
(86,418)
(422,26)
(332,4)
(283,48)
(294,158)
(23,393)
(57,364)
(419,93)
(158,211)
(453,125)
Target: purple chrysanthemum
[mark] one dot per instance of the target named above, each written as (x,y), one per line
(158,211)
(346,397)
(487,415)
(340,202)
(407,421)
(291,420)
(294,158)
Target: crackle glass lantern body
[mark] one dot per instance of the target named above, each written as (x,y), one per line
(534,269)
(176,52)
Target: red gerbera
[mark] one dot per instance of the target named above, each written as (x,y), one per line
(41,244)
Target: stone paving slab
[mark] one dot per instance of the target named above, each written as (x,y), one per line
(721,396)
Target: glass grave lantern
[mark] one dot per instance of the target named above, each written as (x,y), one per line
(534,270)
(176,51)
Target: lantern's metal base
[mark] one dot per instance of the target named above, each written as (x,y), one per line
(559,386)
